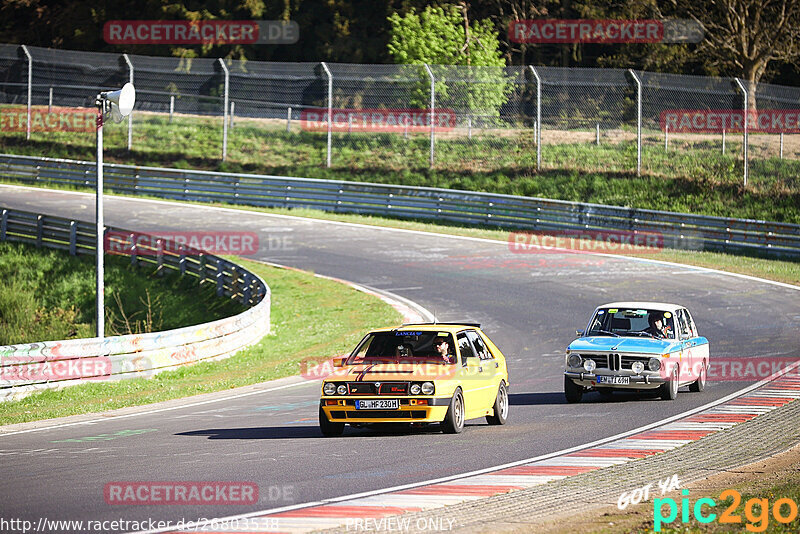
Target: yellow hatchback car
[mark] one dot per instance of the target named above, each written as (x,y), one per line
(417,373)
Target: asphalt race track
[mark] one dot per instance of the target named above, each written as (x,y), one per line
(529,304)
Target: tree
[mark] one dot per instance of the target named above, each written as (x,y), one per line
(743,36)
(443,36)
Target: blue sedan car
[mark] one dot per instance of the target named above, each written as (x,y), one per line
(637,346)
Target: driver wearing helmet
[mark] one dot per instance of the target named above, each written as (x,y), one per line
(658,327)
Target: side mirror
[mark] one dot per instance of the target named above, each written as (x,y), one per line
(685,334)
(339,361)
(579,333)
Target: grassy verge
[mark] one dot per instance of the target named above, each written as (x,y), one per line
(768,480)
(690,177)
(49,295)
(312,318)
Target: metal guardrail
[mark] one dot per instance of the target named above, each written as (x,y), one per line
(30,367)
(677,230)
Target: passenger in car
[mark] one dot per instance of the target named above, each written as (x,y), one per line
(442,347)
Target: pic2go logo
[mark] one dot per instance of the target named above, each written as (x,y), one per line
(756,511)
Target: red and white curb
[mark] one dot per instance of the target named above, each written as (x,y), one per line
(363,509)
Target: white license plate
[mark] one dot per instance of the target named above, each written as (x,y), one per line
(377,404)
(614,380)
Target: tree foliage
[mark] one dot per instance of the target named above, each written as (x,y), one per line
(443,36)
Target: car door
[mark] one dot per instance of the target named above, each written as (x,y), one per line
(698,344)
(487,371)
(470,376)
(688,372)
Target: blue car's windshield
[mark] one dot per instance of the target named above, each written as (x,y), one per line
(632,322)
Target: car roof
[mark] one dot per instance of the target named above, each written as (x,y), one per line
(661,306)
(431,327)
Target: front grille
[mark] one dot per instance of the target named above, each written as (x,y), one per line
(362,388)
(615,362)
(393,388)
(627,361)
(599,359)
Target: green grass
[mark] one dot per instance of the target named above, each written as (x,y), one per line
(691,177)
(788,486)
(312,319)
(50,295)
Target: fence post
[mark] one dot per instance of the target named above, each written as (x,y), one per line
(130,115)
(597,137)
(538,126)
(781,145)
(30,89)
(39,230)
(723,140)
(666,136)
(330,109)
(433,111)
(171,107)
(233,112)
(50,101)
(225,112)
(638,121)
(289,119)
(73,238)
(469,127)
(741,87)
(3,225)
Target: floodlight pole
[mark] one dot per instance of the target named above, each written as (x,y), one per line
(102,104)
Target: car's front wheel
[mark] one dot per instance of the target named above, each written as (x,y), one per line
(572,391)
(500,407)
(669,389)
(329,429)
(454,420)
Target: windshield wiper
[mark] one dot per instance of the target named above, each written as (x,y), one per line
(609,333)
(644,334)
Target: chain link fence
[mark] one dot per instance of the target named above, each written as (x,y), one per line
(396,117)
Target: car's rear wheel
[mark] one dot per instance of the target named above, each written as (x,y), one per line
(329,429)
(669,389)
(700,384)
(500,407)
(572,391)
(454,420)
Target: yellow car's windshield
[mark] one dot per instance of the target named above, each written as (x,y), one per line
(405,346)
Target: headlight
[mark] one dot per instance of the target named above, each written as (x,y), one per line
(427,388)
(415,389)
(654,364)
(574,360)
(342,389)
(329,388)
(589,365)
(637,367)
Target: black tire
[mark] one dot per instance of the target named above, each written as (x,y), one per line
(454,420)
(329,429)
(669,389)
(500,407)
(700,384)
(572,391)
(606,393)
